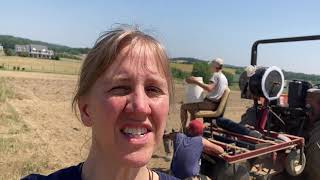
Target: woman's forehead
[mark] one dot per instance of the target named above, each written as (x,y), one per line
(136,60)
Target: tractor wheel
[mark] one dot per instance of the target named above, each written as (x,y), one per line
(313,153)
(239,171)
(293,165)
(249,117)
(208,168)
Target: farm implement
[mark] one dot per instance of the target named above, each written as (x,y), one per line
(289,124)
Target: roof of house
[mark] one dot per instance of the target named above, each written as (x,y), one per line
(38,47)
(20,46)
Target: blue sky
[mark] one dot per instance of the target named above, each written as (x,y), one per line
(201,29)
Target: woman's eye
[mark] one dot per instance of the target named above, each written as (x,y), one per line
(154,91)
(120,90)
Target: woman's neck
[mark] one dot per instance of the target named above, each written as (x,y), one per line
(97,167)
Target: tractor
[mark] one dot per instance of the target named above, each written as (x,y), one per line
(289,124)
(296,112)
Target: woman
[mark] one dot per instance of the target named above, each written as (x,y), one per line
(123,94)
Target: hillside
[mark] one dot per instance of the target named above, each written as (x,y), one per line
(185,60)
(190,60)
(9,42)
(186,63)
(315,79)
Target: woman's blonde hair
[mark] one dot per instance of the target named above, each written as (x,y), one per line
(108,47)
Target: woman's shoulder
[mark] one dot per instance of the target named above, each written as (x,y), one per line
(73,172)
(163,176)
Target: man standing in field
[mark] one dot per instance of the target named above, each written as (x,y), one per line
(215,88)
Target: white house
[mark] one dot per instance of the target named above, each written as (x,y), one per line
(34,50)
(1,47)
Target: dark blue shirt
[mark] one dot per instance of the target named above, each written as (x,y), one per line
(186,157)
(74,173)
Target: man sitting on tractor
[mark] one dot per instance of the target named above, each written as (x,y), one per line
(188,149)
(216,87)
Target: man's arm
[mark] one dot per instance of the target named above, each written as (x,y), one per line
(211,148)
(207,87)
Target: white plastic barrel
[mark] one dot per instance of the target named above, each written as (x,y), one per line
(193,93)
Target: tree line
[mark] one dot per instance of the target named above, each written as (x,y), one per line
(200,69)
(313,78)
(9,42)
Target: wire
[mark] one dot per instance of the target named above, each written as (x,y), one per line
(277,116)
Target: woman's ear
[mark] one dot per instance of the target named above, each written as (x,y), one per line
(84,114)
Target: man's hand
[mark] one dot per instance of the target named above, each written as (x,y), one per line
(207,87)
(191,80)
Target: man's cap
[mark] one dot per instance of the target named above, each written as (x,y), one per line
(196,127)
(218,61)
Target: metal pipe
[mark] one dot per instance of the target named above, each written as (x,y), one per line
(254,49)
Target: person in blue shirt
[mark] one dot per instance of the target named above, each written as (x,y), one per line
(123,95)
(188,149)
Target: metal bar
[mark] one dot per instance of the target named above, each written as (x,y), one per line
(274,134)
(261,151)
(237,141)
(248,154)
(295,141)
(244,137)
(225,145)
(254,49)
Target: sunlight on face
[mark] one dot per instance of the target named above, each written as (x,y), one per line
(129,106)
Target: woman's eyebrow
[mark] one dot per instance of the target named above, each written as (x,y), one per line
(157,79)
(124,77)
(117,78)
(121,77)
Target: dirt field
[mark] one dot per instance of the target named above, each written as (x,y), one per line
(40,134)
(63,66)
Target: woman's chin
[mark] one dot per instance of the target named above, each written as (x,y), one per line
(137,159)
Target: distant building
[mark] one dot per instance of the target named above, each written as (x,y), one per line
(34,50)
(1,47)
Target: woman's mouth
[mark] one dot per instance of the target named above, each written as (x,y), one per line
(136,135)
(135,132)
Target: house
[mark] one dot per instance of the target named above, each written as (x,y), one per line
(1,48)
(34,50)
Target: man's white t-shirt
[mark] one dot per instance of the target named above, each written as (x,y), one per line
(220,84)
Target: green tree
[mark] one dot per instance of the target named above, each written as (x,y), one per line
(9,52)
(23,54)
(239,70)
(229,76)
(179,74)
(202,69)
(56,57)
(10,41)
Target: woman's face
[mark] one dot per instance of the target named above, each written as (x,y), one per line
(127,108)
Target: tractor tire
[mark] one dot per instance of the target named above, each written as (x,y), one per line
(220,170)
(292,165)
(249,117)
(239,172)
(207,168)
(312,151)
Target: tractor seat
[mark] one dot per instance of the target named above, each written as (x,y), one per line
(208,114)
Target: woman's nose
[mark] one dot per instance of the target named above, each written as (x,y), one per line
(139,102)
